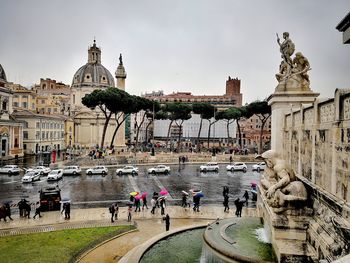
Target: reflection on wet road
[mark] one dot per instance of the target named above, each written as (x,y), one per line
(95,190)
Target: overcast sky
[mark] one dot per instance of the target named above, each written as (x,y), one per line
(175,45)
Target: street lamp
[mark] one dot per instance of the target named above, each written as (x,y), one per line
(152,151)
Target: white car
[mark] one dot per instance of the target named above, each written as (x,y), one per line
(55,175)
(97,170)
(10,169)
(127,170)
(159,169)
(73,169)
(39,169)
(209,167)
(259,166)
(30,177)
(238,166)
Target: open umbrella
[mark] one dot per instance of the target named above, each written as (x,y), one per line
(134,193)
(65,201)
(199,194)
(253,183)
(144,194)
(138,197)
(164,192)
(184,192)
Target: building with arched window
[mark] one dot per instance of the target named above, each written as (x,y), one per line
(10,130)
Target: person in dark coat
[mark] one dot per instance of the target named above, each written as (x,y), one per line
(239,206)
(196,201)
(167,222)
(227,208)
(27,209)
(162,206)
(144,202)
(112,211)
(184,201)
(37,210)
(246,196)
(66,210)
(225,191)
(21,208)
(8,211)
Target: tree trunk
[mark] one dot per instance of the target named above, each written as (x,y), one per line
(108,117)
(210,124)
(199,135)
(117,127)
(263,121)
(179,139)
(239,134)
(147,126)
(138,127)
(228,132)
(167,137)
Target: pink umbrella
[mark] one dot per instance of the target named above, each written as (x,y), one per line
(138,197)
(253,183)
(164,192)
(144,194)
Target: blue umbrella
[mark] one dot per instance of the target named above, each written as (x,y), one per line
(200,194)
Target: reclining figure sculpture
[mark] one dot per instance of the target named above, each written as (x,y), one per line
(280,185)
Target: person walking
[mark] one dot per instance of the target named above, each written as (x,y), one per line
(153,204)
(227,208)
(167,222)
(129,213)
(196,201)
(246,196)
(184,201)
(21,208)
(116,211)
(8,211)
(37,210)
(27,209)
(112,211)
(137,205)
(66,210)
(225,191)
(144,202)
(162,206)
(239,206)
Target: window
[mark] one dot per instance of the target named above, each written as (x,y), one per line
(42,135)
(24,146)
(73,99)
(24,105)
(25,124)
(16,142)
(4,105)
(49,110)
(37,135)
(33,106)
(25,135)
(25,96)
(44,86)
(55,110)
(15,104)
(38,125)
(51,135)
(42,101)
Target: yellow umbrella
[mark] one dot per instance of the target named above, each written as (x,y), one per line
(134,193)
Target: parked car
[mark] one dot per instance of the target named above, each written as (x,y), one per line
(209,167)
(159,169)
(259,166)
(50,198)
(10,169)
(238,166)
(30,177)
(127,170)
(73,169)
(39,169)
(55,175)
(97,170)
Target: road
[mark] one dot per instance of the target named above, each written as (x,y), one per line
(97,190)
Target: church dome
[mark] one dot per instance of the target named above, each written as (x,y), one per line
(3,79)
(93,73)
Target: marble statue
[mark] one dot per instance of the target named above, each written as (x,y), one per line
(293,72)
(120,59)
(280,185)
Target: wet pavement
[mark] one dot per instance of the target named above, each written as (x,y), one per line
(87,191)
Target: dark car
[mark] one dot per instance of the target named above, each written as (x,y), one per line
(50,198)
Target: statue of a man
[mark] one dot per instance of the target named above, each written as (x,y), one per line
(281,185)
(287,48)
(301,66)
(120,59)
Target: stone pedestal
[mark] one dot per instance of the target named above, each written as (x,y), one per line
(281,103)
(288,231)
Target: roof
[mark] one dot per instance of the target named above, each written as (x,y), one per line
(28,114)
(93,75)
(344,24)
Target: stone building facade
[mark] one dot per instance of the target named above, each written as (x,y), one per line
(316,142)
(11,131)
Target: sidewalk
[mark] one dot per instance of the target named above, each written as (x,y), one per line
(148,225)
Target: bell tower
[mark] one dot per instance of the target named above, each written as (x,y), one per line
(94,54)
